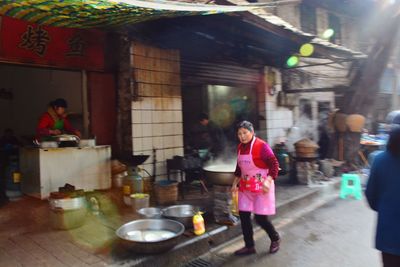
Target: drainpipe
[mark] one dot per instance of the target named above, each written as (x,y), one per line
(85,109)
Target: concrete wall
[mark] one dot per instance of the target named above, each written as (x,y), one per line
(290,13)
(157,107)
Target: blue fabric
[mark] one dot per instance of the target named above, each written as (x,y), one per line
(383,195)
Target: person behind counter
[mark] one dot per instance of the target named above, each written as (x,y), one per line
(207,136)
(55,122)
(256,170)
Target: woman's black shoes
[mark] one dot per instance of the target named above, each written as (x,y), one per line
(274,247)
(245,251)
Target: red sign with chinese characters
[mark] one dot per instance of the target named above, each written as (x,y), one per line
(25,42)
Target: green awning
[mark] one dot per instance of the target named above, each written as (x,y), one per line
(105,13)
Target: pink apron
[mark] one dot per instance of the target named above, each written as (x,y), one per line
(251,196)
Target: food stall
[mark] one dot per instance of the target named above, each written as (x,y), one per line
(44,170)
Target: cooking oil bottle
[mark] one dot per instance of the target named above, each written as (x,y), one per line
(198,224)
(235,203)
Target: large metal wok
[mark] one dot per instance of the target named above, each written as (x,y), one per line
(220,174)
(148,247)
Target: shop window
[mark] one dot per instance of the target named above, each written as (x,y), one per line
(305,108)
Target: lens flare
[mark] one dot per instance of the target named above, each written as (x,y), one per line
(223,115)
(292,61)
(306,50)
(328,34)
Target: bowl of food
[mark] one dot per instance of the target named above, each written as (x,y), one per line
(150,235)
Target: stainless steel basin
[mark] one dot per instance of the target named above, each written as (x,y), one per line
(150,213)
(181,213)
(149,247)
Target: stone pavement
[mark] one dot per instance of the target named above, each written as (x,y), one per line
(27,239)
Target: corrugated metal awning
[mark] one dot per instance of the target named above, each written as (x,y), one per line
(105,13)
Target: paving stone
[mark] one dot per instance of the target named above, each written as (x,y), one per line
(6,259)
(78,252)
(23,242)
(8,245)
(24,258)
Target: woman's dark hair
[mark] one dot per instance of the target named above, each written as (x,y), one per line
(246,125)
(393,145)
(202,116)
(59,102)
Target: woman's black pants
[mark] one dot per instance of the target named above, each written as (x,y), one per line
(247,227)
(390,260)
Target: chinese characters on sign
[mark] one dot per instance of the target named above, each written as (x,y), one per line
(76,46)
(70,48)
(35,40)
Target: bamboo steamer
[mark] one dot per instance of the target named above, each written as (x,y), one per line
(305,148)
(340,122)
(355,122)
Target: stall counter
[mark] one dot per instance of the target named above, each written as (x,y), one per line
(45,170)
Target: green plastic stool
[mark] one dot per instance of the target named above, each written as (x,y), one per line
(353,189)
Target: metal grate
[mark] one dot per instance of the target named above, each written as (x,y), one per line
(198,263)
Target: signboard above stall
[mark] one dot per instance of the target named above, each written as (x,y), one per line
(29,43)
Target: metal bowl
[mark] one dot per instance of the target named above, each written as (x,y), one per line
(48,144)
(150,224)
(181,213)
(219,174)
(150,213)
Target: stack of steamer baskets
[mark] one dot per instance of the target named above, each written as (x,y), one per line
(305,148)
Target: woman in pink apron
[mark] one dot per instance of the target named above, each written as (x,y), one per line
(256,169)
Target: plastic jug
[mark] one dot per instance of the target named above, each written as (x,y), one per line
(198,224)
(235,203)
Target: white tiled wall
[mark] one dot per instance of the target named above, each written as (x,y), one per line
(157,111)
(278,119)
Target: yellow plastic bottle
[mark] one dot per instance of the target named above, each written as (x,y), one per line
(235,203)
(198,224)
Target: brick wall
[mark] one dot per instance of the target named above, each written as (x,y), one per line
(157,107)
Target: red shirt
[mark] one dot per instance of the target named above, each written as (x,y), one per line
(263,157)
(46,123)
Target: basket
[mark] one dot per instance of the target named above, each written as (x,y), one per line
(305,148)
(355,122)
(166,192)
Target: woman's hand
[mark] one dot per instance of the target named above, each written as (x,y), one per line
(267,184)
(78,133)
(55,132)
(234,187)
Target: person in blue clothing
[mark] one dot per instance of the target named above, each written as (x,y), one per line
(383,195)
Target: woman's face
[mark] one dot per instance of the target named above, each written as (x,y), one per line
(60,111)
(245,135)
